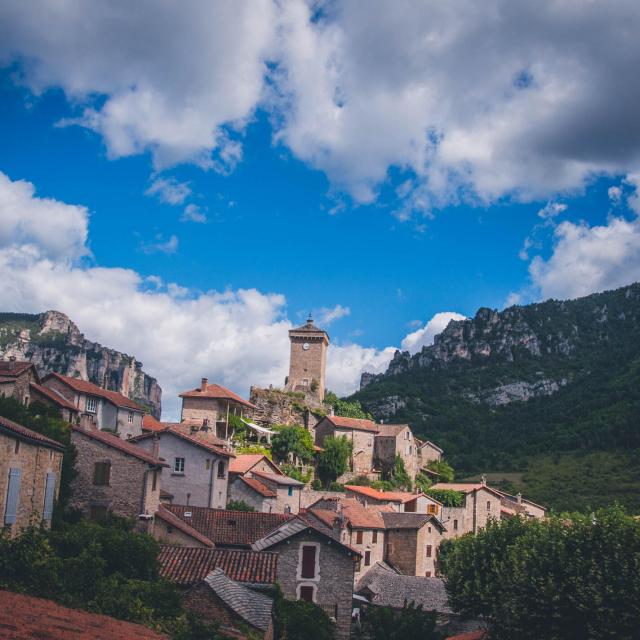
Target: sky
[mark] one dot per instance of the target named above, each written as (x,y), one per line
(187,181)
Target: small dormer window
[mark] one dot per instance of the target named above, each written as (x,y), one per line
(92,404)
(130,417)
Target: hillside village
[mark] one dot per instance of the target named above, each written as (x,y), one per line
(233,513)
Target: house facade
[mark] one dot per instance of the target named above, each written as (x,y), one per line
(361,434)
(97,407)
(396,440)
(400,501)
(30,466)
(40,393)
(15,378)
(428,452)
(115,476)
(198,472)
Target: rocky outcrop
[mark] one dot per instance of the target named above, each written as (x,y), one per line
(516,392)
(275,406)
(55,344)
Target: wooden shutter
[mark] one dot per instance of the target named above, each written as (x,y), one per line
(13,496)
(306,594)
(49,492)
(367,558)
(308,562)
(101,473)
(358,537)
(428,551)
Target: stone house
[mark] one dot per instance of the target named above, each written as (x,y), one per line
(98,408)
(198,472)
(246,463)
(314,566)
(15,378)
(428,452)
(169,529)
(401,501)
(412,542)
(361,433)
(208,407)
(50,397)
(30,466)
(353,524)
(396,440)
(115,476)
(480,504)
(226,528)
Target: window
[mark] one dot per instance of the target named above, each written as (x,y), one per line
(406,435)
(49,492)
(154,481)
(221,469)
(432,508)
(16,449)
(130,417)
(92,404)
(290,491)
(358,537)
(305,382)
(428,574)
(101,473)
(207,464)
(308,569)
(428,551)
(367,558)
(488,505)
(178,465)
(455,525)
(98,513)
(374,537)
(13,496)
(306,593)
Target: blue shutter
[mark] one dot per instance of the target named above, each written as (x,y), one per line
(49,492)
(13,494)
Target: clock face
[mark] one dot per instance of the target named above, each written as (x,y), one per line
(305,346)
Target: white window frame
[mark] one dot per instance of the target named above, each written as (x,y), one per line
(316,576)
(130,417)
(91,405)
(178,465)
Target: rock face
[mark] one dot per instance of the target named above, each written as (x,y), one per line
(54,344)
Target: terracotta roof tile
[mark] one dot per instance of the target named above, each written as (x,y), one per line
(258,487)
(231,528)
(472,635)
(216,391)
(181,525)
(25,618)
(122,445)
(83,386)
(27,434)
(388,496)
(189,565)
(246,461)
(354,423)
(14,369)
(149,423)
(54,396)
(212,448)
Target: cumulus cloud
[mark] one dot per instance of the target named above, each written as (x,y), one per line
(325,316)
(551,210)
(193,213)
(169,190)
(589,258)
(615,194)
(472,101)
(161,246)
(423,336)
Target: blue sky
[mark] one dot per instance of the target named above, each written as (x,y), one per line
(378,190)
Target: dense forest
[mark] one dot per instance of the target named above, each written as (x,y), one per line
(545,398)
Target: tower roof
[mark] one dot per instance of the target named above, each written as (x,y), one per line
(309,327)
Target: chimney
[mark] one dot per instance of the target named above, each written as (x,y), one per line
(203,384)
(483,480)
(156,446)
(331,411)
(12,362)
(519,498)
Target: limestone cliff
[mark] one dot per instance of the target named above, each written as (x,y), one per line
(54,344)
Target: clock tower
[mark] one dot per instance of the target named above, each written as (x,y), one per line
(308,360)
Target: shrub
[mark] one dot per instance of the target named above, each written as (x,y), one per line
(333,461)
(292,440)
(239,505)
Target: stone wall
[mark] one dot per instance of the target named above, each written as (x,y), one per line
(274,406)
(307,366)
(401,549)
(334,583)
(309,496)
(240,491)
(35,462)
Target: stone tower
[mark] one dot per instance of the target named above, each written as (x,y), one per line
(308,361)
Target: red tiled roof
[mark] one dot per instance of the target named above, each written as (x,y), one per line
(190,565)
(358,516)
(389,496)
(231,528)
(27,434)
(122,445)
(215,391)
(471,635)
(246,461)
(354,423)
(149,423)
(15,368)
(25,618)
(258,487)
(176,522)
(83,386)
(179,434)
(55,397)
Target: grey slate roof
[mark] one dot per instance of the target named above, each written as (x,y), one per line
(407,520)
(251,606)
(386,588)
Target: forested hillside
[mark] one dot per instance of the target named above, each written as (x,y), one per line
(546,395)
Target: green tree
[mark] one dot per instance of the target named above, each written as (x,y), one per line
(300,620)
(333,461)
(443,469)
(559,578)
(292,439)
(346,408)
(411,623)
(398,476)
(239,505)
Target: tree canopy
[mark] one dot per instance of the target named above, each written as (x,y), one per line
(346,408)
(334,459)
(559,578)
(292,440)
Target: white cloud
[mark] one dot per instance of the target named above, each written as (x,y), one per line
(633,199)
(473,101)
(169,190)
(193,213)
(325,316)
(168,247)
(551,210)
(615,194)
(419,338)
(587,259)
